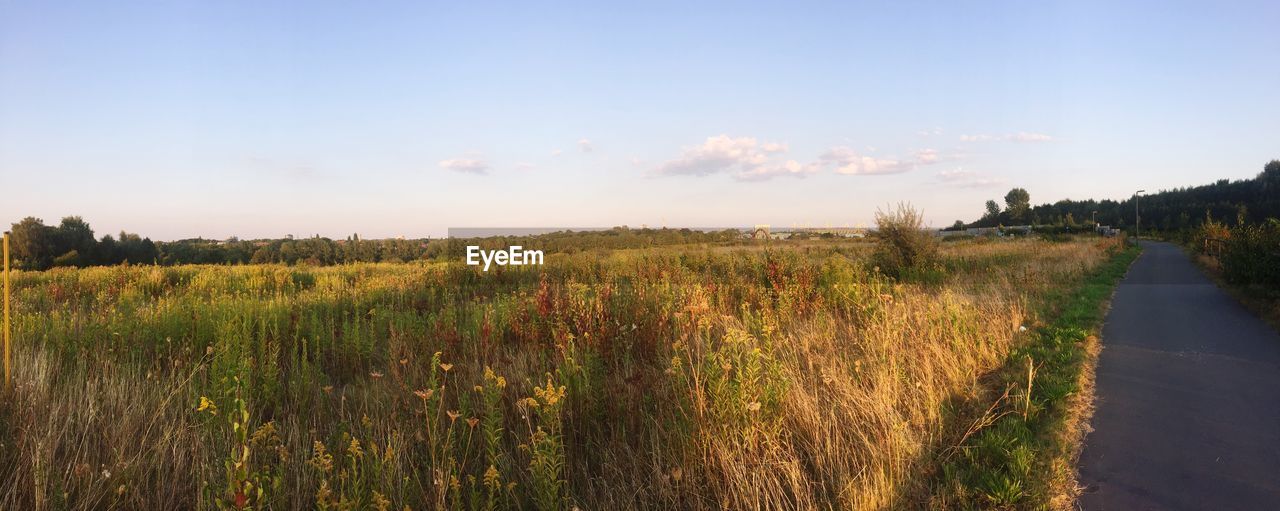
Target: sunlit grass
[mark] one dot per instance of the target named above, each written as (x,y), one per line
(786,377)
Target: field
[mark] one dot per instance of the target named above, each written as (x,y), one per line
(690,377)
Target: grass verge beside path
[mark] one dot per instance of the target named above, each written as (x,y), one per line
(1021,453)
(1263,302)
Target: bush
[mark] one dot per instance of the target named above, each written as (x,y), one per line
(1252,255)
(902,242)
(1209,230)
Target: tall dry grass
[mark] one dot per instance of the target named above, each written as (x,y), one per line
(694,379)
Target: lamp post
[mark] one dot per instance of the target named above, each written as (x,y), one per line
(1137,219)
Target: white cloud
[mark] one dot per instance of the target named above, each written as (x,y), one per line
(717,154)
(930,132)
(926,156)
(960,178)
(585,145)
(751,160)
(845,160)
(774,147)
(854,164)
(788,168)
(524,165)
(467,165)
(1030,137)
(1020,136)
(556,152)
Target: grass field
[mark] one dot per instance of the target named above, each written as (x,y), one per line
(686,377)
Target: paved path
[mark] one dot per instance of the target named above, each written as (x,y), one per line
(1188,397)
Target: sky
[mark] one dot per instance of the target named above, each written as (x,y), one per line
(261,119)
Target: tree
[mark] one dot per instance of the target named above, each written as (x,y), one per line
(74,235)
(958,226)
(1017,202)
(993,209)
(32,243)
(106,252)
(1269,179)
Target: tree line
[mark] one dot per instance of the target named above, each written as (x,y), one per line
(1239,202)
(71,243)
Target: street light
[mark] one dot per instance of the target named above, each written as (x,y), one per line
(1137,219)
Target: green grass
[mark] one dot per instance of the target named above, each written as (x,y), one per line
(1019,454)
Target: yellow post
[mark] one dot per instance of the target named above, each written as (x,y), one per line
(7,377)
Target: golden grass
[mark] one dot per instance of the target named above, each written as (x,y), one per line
(695,379)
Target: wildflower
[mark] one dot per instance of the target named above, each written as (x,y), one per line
(453,415)
(424,394)
(324,493)
(328,389)
(549,395)
(677,473)
(491,477)
(754,406)
(265,434)
(106,474)
(404,361)
(375,375)
(320,459)
(380,502)
(207,405)
(446,367)
(472,422)
(489,375)
(354,450)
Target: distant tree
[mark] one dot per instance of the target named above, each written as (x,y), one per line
(993,209)
(1269,178)
(135,249)
(74,235)
(958,226)
(33,244)
(106,252)
(1017,202)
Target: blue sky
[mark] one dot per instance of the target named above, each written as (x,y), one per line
(183,119)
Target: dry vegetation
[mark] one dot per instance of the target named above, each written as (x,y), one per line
(683,378)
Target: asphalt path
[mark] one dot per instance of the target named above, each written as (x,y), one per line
(1187,396)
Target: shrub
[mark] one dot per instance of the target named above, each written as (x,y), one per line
(1209,230)
(1252,255)
(902,242)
